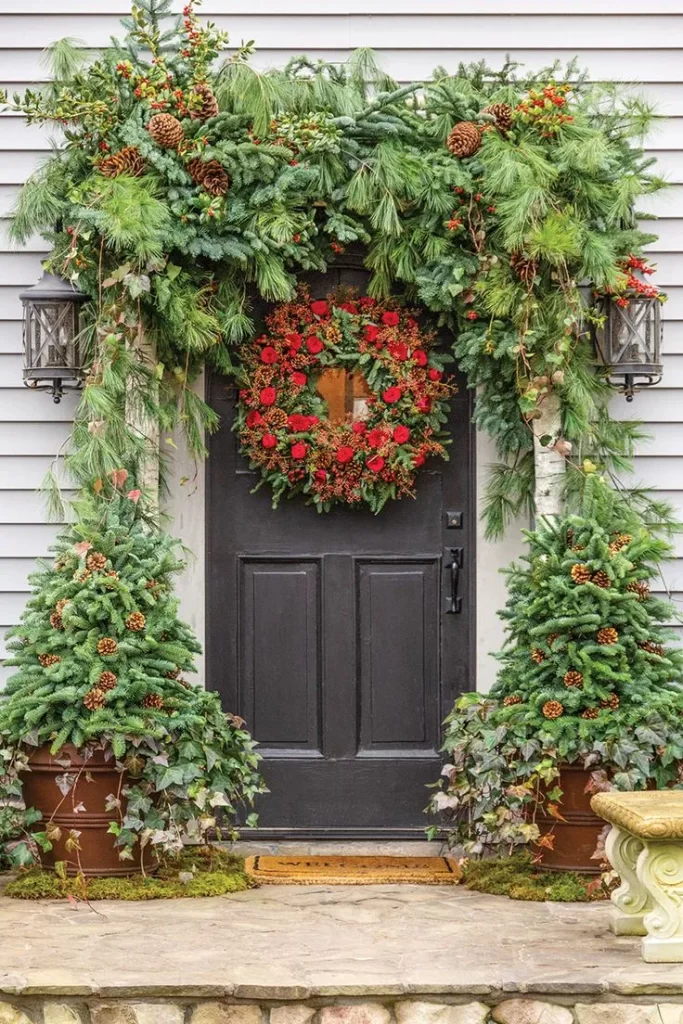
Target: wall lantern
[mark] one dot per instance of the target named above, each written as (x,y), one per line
(53,360)
(629,342)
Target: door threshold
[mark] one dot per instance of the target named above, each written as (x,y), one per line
(306,847)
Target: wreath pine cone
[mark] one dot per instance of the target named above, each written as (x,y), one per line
(107,681)
(126,161)
(82,575)
(107,645)
(48,659)
(96,562)
(651,647)
(619,542)
(552,709)
(166,130)
(537,655)
(464,139)
(590,713)
(607,635)
(61,605)
(611,702)
(136,622)
(95,699)
(502,115)
(640,588)
(512,700)
(56,621)
(524,267)
(153,700)
(216,180)
(209,104)
(573,678)
(601,579)
(580,573)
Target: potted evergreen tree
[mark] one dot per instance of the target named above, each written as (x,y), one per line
(124,756)
(589,695)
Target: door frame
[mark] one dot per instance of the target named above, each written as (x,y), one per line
(214,614)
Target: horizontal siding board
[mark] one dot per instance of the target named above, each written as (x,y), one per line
(24,507)
(10,337)
(32,438)
(25,472)
(343,7)
(21,405)
(664,439)
(26,541)
(19,268)
(14,574)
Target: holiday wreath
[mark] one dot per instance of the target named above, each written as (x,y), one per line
(282,419)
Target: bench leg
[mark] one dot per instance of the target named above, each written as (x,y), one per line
(660,871)
(630,901)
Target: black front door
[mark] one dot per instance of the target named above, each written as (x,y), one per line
(341,638)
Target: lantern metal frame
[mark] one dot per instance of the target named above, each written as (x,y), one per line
(628,342)
(53,357)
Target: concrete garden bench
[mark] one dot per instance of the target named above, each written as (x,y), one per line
(645,846)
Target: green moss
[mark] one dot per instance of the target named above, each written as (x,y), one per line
(214,872)
(518,878)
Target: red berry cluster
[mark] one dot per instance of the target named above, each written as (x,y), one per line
(545,110)
(633,285)
(283,422)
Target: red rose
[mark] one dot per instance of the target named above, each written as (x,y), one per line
(399,350)
(320,308)
(344,453)
(321,475)
(418,460)
(268,354)
(294,341)
(268,396)
(349,307)
(297,422)
(312,420)
(401,434)
(376,463)
(299,450)
(359,427)
(420,357)
(299,378)
(435,374)
(472,315)
(390,318)
(424,404)
(376,438)
(410,322)
(269,440)
(370,332)
(314,345)
(366,302)
(391,395)
(254,418)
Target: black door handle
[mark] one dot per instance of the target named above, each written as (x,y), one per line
(455,602)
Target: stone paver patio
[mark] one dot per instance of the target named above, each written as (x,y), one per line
(293,943)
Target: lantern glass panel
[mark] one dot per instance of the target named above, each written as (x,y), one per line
(53,341)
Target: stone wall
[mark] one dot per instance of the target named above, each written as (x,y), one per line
(51,1010)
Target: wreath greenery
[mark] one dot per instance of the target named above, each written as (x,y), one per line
(283,421)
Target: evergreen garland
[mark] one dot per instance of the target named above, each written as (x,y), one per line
(185,186)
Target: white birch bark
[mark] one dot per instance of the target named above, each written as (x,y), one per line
(145,426)
(549,465)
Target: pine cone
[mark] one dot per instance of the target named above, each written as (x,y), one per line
(525,268)
(153,700)
(464,139)
(166,130)
(579,547)
(573,678)
(611,702)
(151,584)
(652,647)
(601,579)
(96,562)
(107,645)
(570,537)
(552,709)
(56,621)
(275,417)
(640,588)
(81,575)
(590,713)
(107,681)
(216,180)
(511,700)
(136,622)
(173,674)
(502,114)
(552,637)
(126,161)
(61,605)
(209,104)
(537,655)
(113,573)
(619,542)
(95,699)
(607,635)
(48,659)
(580,573)
(197,169)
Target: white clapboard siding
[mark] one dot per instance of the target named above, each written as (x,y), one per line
(629,41)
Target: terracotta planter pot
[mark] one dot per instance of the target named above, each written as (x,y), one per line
(97,778)
(576,839)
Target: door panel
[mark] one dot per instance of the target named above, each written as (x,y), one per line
(332,633)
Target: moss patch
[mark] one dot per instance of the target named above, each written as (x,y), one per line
(518,878)
(214,873)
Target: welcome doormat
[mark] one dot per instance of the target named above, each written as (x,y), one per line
(352,870)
